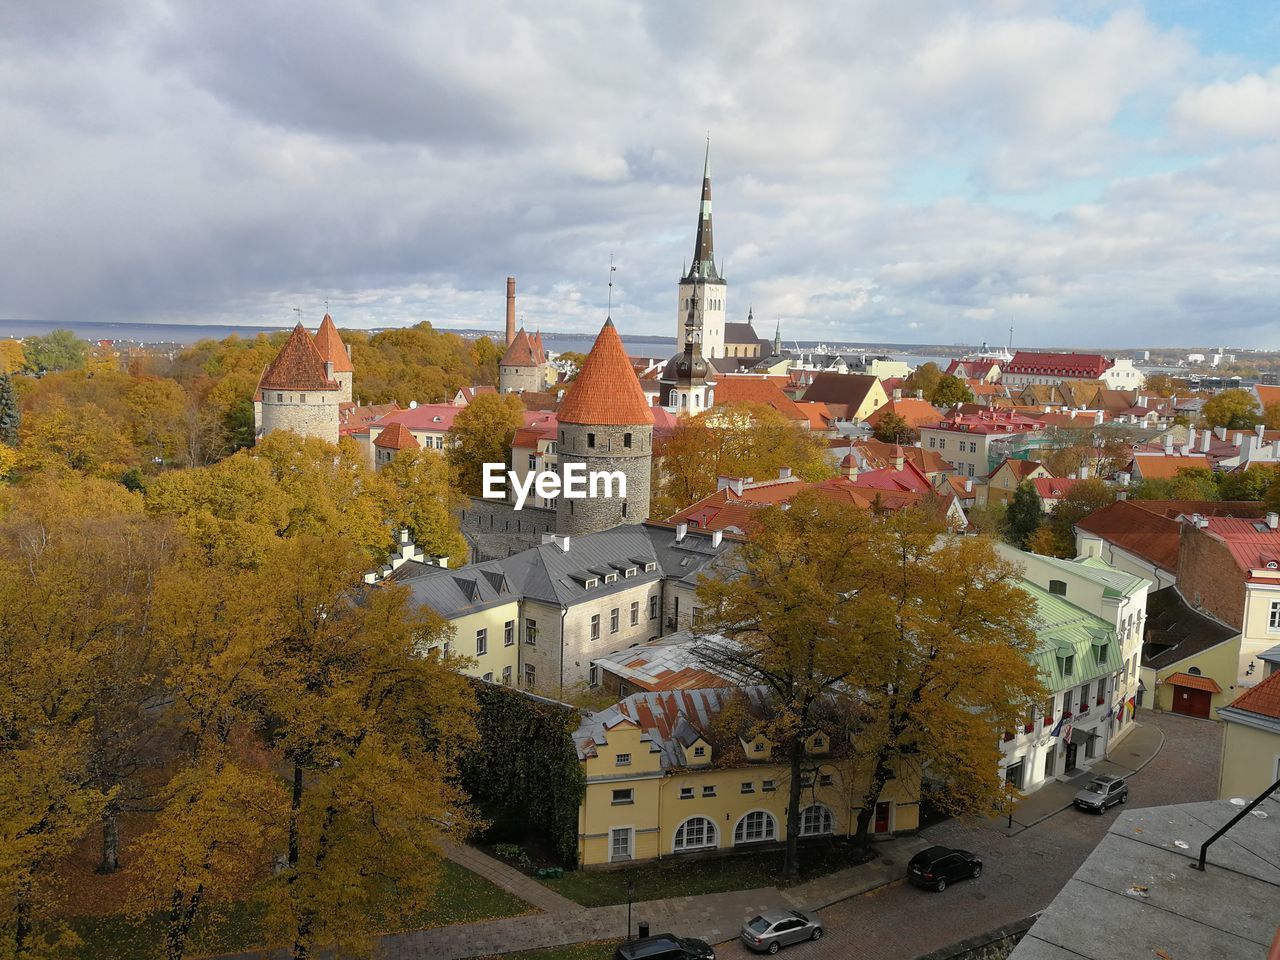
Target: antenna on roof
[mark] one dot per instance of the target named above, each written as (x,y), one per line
(612,271)
(298,313)
(326,305)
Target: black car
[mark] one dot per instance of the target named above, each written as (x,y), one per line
(665,946)
(936,867)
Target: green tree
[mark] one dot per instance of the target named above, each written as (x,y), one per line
(893,428)
(1250,484)
(1189,483)
(482,433)
(950,391)
(10,415)
(924,378)
(59,350)
(425,501)
(1083,499)
(1233,409)
(1024,514)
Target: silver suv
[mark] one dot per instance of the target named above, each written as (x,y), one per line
(1101,792)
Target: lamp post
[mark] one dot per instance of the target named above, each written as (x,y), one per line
(631,891)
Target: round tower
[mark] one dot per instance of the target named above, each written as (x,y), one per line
(337,357)
(607,426)
(298,392)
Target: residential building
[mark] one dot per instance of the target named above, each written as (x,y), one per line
(972,442)
(665,778)
(1231,568)
(1029,366)
(1251,741)
(851,396)
(533,450)
(1189,659)
(1051,490)
(986,370)
(877,454)
(914,410)
(702,288)
(1006,478)
(577,597)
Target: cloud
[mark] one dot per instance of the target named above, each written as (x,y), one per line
(904,171)
(1248,108)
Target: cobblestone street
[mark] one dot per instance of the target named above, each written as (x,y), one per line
(1022,873)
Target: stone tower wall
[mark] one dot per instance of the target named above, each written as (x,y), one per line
(317,417)
(516,379)
(609,452)
(346,381)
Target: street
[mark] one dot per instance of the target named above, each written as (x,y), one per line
(1022,873)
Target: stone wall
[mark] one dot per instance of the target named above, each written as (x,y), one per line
(495,529)
(516,379)
(1208,576)
(994,945)
(317,416)
(604,448)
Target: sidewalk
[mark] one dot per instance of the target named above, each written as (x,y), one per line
(1138,748)
(509,878)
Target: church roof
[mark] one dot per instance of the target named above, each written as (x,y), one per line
(331,346)
(525,351)
(298,366)
(397,437)
(606,390)
(703,266)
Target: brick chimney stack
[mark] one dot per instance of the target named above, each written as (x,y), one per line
(511,309)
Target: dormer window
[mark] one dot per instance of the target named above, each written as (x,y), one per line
(630,572)
(650,567)
(592,583)
(1058,588)
(758,748)
(610,577)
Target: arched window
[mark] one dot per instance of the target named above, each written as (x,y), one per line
(696,833)
(758,826)
(816,820)
(1194,671)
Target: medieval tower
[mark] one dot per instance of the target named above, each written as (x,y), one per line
(606,425)
(687,384)
(702,288)
(301,389)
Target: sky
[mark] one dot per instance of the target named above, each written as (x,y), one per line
(936,171)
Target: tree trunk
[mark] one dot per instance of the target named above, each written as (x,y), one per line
(110,840)
(21,921)
(182,914)
(862,839)
(295,809)
(791,862)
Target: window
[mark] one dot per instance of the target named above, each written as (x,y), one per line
(489,676)
(533,461)
(686,793)
(1066,702)
(1048,711)
(610,577)
(748,787)
(1013,775)
(819,742)
(756,827)
(932,444)
(624,796)
(595,626)
(508,633)
(767,786)
(1058,588)
(1274,620)
(613,620)
(302,398)
(824,780)
(816,820)
(622,760)
(653,607)
(531,631)
(759,747)
(593,675)
(530,675)
(1100,652)
(696,833)
(279,398)
(591,440)
(1194,671)
(1069,665)
(709,791)
(635,612)
(626,440)
(942,443)
(619,844)
(699,751)
(482,642)
(506,676)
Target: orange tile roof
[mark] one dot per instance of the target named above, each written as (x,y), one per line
(819,414)
(397,437)
(880,454)
(1264,699)
(606,391)
(1021,469)
(525,351)
(1053,488)
(1194,682)
(331,346)
(1160,467)
(298,366)
(752,390)
(1267,394)
(915,412)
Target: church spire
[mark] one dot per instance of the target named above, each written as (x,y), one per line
(777,340)
(704,264)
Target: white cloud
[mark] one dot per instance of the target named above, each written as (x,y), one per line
(1248,108)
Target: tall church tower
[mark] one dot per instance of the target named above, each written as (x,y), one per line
(688,382)
(606,424)
(702,288)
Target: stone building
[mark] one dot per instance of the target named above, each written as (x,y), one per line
(702,288)
(334,351)
(523,368)
(300,390)
(606,425)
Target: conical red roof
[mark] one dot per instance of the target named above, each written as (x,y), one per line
(298,366)
(397,437)
(331,346)
(521,353)
(606,391)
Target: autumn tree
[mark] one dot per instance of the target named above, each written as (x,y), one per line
(924,378)
(13,359)
(59,350)
(1233,409)
(735,440)
(485,354)
(1271,416)
(931,632)
(424,502)
(10,416)
(893,428)
(1249,484)
(1024,514)
(482,433)
(1159,385)
(949,391)
(1084,498)
(1189,483)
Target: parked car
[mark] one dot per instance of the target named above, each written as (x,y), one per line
(1101,792)
(774,929)
(665,946)
(936,867)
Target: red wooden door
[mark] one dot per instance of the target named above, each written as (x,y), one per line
(1194,703)
(882,817)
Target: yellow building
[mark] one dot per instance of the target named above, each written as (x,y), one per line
(665,778)
(1006,478)
(1189,659)
(1251,744)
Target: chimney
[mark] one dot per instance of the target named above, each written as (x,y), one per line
(682,529)
(899,459)
(1275,450)
(413,404)
(1259,430)
(897,393)
(1124,478)
(716,537)
(1208,438)
(1238,440)
(560,541)
(1220,433)
(849,467)
(511,309)
(1097,419)
(1273,520)
(919,394)
(1168,445)
(1084,471)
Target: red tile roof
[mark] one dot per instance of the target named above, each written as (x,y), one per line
(1264,699)
(819,414)
(731,389)
(298,366)
(915,412)
(397,437)
(1021,469)
(1194,682)
(1253,545)
(878,454)
(606,391)
(1053,488)
(1267,394)
(1083,365)
(525,351)
(354,419)
(528,436)
(986,420)
(1145,534)
(432,417)
(331,347)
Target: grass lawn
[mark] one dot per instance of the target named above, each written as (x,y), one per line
(463,897)
(597,950)
(683,876)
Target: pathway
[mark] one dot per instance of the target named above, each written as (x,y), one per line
(509,878)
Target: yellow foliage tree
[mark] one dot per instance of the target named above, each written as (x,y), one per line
(482,433)
(425,502)
(12,357)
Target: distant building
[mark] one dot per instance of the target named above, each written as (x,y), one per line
(1029,367)
(524,366)
(702,288)
(971,441)
(301,390)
